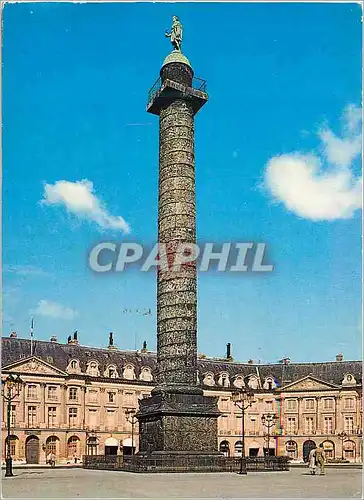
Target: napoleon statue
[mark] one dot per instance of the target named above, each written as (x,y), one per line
(176,34)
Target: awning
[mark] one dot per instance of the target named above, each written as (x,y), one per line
(127,442)
(110,441)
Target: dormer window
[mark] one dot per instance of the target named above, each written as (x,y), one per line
(239,381)
(224,380)
(128,372)
(253,382)
(74,365)
(208,379)
(93,369)
(146,374)
(111,372)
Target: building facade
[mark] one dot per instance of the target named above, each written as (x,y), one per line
(75,399)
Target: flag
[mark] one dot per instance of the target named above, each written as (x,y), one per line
(32,327)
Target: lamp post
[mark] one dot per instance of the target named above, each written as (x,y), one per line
(131,418)
(342,436)
(269,421)
(243,400)
(11,388)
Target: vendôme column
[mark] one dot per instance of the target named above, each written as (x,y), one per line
(177,419)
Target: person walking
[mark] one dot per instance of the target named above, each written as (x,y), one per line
(312,461)
(320,459)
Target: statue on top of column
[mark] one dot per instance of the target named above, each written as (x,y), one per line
(176,34)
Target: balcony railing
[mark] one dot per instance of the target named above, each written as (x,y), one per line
(197,84)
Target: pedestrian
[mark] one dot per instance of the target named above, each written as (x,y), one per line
(52,459)
(320,459)
(312,461)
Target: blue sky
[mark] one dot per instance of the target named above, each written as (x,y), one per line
(277,161)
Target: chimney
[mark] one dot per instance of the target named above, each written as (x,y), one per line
(228,351)
(111,341)
(13,335)
(339,357)
(144,348)
(250,361)
(53,338)
(73,340)
(69,340)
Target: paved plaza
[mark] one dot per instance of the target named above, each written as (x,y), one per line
(79,483)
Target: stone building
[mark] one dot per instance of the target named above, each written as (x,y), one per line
(74,399)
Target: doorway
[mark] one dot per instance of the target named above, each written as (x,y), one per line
(307,447)
(32,450)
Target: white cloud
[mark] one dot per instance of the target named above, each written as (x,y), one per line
(24,270)
(321,187)
(54,310)
(80,200)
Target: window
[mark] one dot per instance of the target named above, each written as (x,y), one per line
(111,397)
(110,418)
(349,424)
(309,425)
(13,416)
(291,425)
(52,392)
(349,403)
(269,405)
(72,447)
(32,416)
(238,423)
(73,394)
(253,426)
(13,441)
(291,404)
(73,365)
(51,445)
(129,398)
(72,413)
(225,380)
(328,404)
(32,391)
(111,372)
(52,413)
(223,422)
(93,369)
(291,448)
(224,403)
(144,396)
(93,395)
(310,404)
(92,418)
(328,425)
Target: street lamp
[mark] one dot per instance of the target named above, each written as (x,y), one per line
(342,436)
(269,421)
(243,400)
(11,387)
(132,419)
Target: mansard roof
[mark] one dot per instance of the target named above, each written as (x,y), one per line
(59,355)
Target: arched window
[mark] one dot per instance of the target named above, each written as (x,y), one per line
(253,382)
(146,374)
(93,369)
(269,383)
(52,445)
(128,372)
(349,450)
(111,372)
(208,379)
(239,381)
(225,448)
(329,449)
(224,380)
(73,447)
(292,449)
(73,366)
(238,448)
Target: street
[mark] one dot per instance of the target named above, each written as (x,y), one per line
(80,483)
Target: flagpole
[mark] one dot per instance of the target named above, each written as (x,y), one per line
(31,336)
